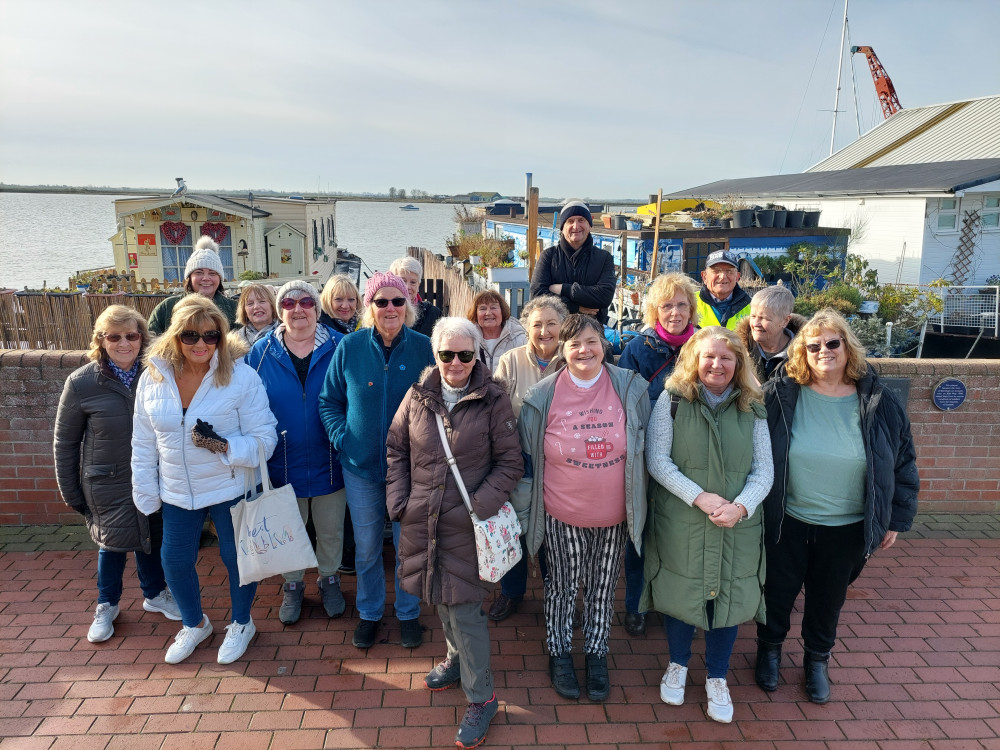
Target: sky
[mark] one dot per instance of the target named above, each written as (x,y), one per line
(596,99)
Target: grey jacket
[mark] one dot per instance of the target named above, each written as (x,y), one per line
(632,389)
(93,453)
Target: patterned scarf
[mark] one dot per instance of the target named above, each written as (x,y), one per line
(125,376)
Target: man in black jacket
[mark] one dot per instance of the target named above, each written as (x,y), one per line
(580,274)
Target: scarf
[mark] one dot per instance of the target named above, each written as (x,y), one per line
(579,252)
(125,376)
(675,339)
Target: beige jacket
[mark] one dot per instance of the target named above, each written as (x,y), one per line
(518,370)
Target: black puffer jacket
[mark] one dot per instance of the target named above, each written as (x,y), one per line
(587,276)
(437,545)
(892,483)
(93,454)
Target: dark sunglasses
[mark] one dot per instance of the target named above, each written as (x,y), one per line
(831,345)
(114,338)
(209,337)
(381,304)
(463,357)
(306,303)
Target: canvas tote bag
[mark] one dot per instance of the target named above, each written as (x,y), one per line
(270,536)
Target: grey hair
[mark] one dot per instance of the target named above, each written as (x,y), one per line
(406,263)
(455,326)
(775,299)
(540,303)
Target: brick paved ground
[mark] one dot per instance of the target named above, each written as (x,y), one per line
(918,666)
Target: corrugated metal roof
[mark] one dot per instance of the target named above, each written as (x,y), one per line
(902,179)
(941,132)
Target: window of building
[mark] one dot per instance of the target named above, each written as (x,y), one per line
(991,212)
(696,253)
(175,257)
(947,217)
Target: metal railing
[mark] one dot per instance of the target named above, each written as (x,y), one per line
(973,307)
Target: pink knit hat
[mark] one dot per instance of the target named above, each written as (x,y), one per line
(380,281)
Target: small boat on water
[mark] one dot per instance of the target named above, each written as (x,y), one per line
(409,207)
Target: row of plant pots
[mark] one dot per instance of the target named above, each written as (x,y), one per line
(776,218)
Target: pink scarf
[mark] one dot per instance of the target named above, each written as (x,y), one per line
(675,339)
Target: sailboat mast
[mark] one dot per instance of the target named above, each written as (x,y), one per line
(840,71)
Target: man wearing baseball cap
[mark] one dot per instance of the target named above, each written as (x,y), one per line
(722,302)
(581,275)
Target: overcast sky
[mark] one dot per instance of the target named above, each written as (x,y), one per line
(597,99)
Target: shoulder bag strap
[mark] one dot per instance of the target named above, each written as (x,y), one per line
(453,463)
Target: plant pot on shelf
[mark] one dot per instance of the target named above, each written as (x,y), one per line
(780,216)
(726,223)
(698,223)
(475,260)
(742,218)
(633,226)
(811,219)
(764,217)
(794,219)
(606,219)
(453,250)
(498,275)
(618,223)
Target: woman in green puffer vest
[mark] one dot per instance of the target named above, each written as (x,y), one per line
(709,453)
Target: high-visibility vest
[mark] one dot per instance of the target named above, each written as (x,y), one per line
(708,317)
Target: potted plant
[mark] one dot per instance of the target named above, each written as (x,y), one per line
(704,219)
(991,281)
(606,220)
(742,213)
(633,223)
(780,214)
(764,217)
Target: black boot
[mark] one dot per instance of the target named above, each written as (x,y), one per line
(817,676)
(768,664)
(598,685)
(564,676)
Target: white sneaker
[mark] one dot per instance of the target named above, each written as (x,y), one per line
(186,640)
(672,684)
(164,604)
(237,639)
(720,705)
(103,628)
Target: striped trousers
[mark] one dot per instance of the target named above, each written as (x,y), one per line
(588,556)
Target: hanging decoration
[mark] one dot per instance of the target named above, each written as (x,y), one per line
(215,230)
(174,232)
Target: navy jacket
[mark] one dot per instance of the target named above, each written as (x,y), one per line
(362,392)
(651,357)
(303,457)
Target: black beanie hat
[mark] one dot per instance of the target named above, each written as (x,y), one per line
(575,208)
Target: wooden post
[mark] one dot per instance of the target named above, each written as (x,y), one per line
(656,239)
(531,239)
(623,240)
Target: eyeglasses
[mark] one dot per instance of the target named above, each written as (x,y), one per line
(114,338)
(832,344)
(209,337)
(463,357)
(381,304)
(306,303)
(680,307)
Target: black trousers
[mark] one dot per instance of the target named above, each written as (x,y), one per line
(823,559)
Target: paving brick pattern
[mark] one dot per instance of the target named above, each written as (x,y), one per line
(917,666)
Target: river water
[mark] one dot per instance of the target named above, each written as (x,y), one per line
(48,237)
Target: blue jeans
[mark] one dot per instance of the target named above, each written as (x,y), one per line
(181,539)
(634,563)
(719,644)
(366,501)
(111,568)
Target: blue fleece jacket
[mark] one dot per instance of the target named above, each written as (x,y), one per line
(304,457)
(362,392)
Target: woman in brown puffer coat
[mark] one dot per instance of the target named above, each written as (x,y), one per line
(437,546)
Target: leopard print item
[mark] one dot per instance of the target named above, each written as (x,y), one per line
(211,444)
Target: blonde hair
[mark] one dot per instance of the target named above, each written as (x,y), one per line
(193,312)
(826,319)
(368,319)
(116,316)
(335,285)
(666,287)
(261,291)
(684,378)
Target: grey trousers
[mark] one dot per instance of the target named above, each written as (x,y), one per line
(467,633)
(328,520)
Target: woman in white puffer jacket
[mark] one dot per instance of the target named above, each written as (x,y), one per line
(199,419)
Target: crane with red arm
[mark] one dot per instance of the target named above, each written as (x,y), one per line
(883,84)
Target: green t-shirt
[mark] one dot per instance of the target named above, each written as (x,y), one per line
(827,468)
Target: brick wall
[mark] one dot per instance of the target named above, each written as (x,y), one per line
(958,452)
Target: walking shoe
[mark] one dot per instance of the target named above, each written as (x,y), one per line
(720,705)
(598,685)
(768,666)
(364,633)
(503,607)
(445,675)
(476,723)
(672,684)
(237,639)
(163,603)
(186,640)
(103,626)
(817,676)
(291,603)
(635,623)
(563,676)
(411,633)
(333,599)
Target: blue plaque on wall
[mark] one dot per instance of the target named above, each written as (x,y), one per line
(948,394)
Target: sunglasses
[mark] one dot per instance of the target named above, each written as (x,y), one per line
(114,338)
(832,344)
(381,304)
(463,357)
(209,337)
(306,303)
